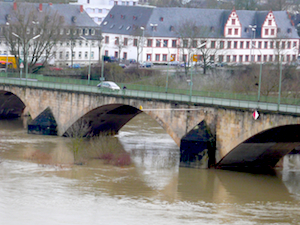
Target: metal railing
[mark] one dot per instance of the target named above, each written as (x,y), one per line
(151,92)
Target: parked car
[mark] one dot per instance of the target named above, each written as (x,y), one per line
(174,63)
(146,64)
(75,66)
(123,65)
(132,60)
(109,86)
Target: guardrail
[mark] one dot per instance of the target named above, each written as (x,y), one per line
(179,95)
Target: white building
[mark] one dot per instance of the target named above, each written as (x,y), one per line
(235,36)
(75,26)
(98,9)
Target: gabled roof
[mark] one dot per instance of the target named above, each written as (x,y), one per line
(165,18)
(65,10)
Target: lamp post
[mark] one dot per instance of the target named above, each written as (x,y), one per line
(7,24)
(143,29)
(260,71)
(26,50)
(279,89)
(89,73)
(102,66)
(153,26)
(253,29)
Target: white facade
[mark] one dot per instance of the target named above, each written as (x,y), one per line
(98,9)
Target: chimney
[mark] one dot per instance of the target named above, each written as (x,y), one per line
(40,7)
(81,8)
(50,3)
(15,6)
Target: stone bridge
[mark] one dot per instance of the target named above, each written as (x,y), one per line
(238,138)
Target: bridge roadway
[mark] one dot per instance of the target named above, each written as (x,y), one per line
(239,139)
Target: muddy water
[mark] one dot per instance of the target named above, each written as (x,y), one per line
(154,190)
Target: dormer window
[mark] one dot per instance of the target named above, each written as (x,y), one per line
(172,28)
(134,17)
(105,22)
(128,27)
(111,15)
(92,31)
(120,27)
(68,31)
(161,19)
(233,21)
(289,30)
(212,29)
(86,31)
(79,31)
(111,26)
(278,30)
(122,16)
(246,29)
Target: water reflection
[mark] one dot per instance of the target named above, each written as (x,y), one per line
(153,190)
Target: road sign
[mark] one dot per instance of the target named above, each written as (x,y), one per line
(172,58)
(21,65)
(195,58)
(255,114)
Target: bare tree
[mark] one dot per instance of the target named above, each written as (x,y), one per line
(23,25)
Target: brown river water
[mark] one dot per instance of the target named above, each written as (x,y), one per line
(153,191)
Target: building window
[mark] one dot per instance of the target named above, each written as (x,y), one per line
(184,58)
(269,22)
(92,55)
(165,43)
(212,58)
(60,55)
(241,45)
(229,44)
(265,58)
(235,43)
(272,44)
(272,31)
(106,52)
(253,44)
(124,55)
(265,44)
(266,31)
(174,43)
(259,44)
(67,55)
(248,44)
(283,45)
(185,43)
(125,41)
(158,41)
(79,55)
(117,41)
(246,58)
(221,58)
(149,57)
(164,58)
(85,55)
(213,44)
(271,58)
(228,58)
(221,44)
(116,54)
(294,43)
(240,58)
(259,58)
(157,56)
(236,31)
(116,2)
(234,58)
(288,44)
(135,41)
(229,31)
(149,43)
(233,21)
(106,39)
(194,44)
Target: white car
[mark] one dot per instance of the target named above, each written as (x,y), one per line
(109,85)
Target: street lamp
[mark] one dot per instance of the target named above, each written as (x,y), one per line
(89,73)
(260,71)
(102,66)
(6,53)
(26,50)
(143,29)
(253,29)
(153,26)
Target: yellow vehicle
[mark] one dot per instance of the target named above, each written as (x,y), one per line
(11,61)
